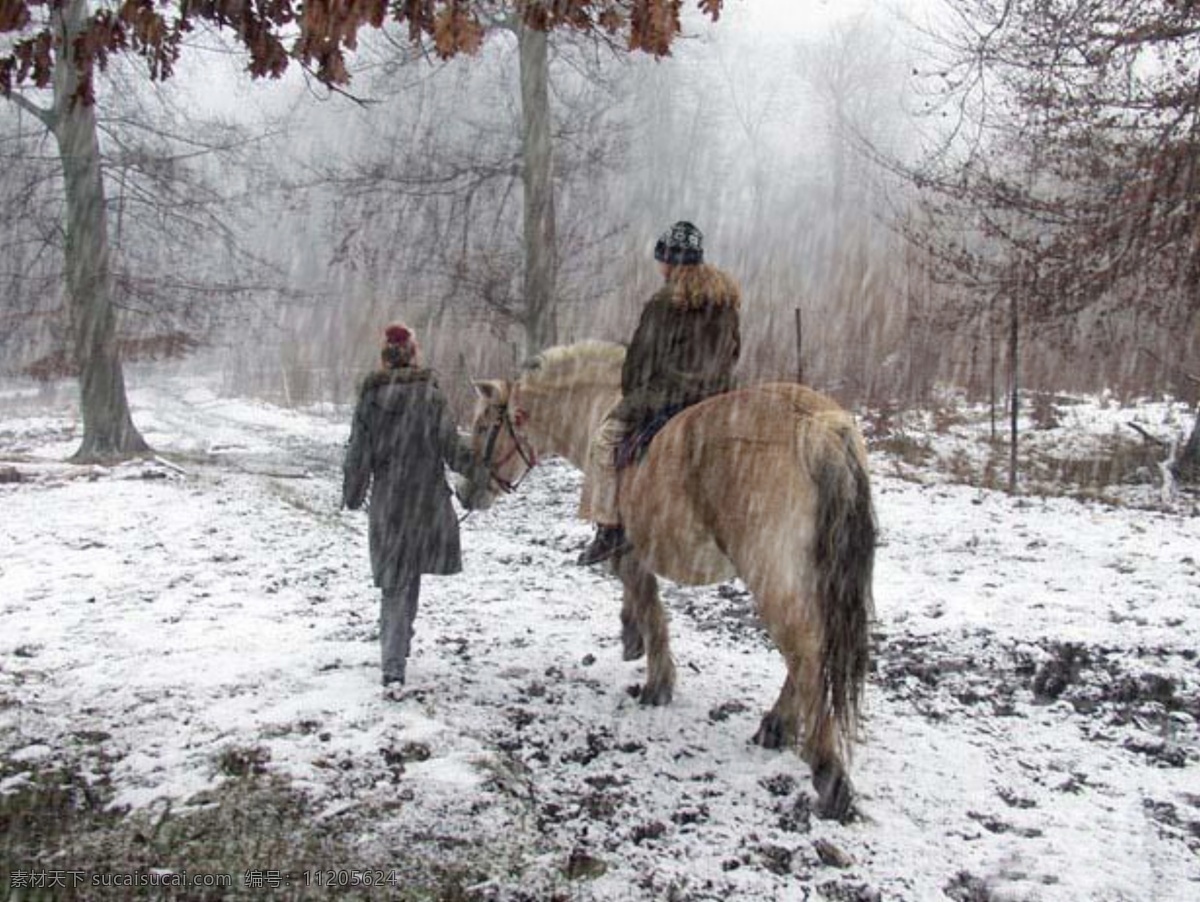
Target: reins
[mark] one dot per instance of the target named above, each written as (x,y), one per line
(529,458)
(504,422)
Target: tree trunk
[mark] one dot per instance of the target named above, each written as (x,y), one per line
(541,252)
(1014,384)
(108,430)
(1187,465)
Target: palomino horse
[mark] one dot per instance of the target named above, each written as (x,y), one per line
(766,483)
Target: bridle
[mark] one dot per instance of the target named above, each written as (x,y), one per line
(504,422)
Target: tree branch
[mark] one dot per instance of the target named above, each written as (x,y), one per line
(363,102)
(46,117)
(1151,439)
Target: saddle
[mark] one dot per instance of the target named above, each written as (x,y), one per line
(636,442)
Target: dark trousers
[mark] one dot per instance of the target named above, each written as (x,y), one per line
(397,611)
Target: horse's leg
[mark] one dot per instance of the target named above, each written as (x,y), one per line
(649,621)
(779,726)
(632,644)
(801,711)
(820,748)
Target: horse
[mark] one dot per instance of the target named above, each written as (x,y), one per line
(767,483)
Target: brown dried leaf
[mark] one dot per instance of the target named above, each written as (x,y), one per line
(14,15)
(611,20)
(653,25)
(456,31)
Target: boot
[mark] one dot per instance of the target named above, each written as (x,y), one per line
(609,540)
(393,690)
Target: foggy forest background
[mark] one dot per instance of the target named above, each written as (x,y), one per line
(890,186)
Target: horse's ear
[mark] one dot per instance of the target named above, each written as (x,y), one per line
(490,390)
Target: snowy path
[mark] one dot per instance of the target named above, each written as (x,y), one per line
(1031,730)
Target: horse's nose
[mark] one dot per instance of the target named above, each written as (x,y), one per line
(472,495)
(462,491)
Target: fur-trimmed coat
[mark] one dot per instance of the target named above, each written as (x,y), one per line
(402,434)
(686,344)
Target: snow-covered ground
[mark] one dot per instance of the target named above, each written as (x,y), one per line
(1031,728)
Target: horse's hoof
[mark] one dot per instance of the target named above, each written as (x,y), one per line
(656,696)
(835,795)
(771,733)
(633,646)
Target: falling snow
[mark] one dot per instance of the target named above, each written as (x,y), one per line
(1031,728)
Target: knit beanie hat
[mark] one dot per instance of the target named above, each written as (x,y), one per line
(399,346)
(682,244)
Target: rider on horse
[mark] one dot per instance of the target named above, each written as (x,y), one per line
(684,350)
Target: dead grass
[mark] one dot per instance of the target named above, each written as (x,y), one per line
(1123,463)
(950,442)
(907,449)
(253,837)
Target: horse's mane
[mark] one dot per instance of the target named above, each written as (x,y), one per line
(590,361)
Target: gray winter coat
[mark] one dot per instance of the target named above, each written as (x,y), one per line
(402,435)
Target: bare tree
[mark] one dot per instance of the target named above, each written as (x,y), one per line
(126,215)
(460,173)
(1075,144)
(537,179)
(108,429)
(1065,170)
(320,31)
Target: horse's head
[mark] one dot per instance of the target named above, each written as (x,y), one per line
(501,447)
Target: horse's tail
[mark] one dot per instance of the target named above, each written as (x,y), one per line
(844,559)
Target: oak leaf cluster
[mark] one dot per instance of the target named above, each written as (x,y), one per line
(317,34)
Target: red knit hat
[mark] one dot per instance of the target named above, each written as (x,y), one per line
(400,346)
(397,334)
